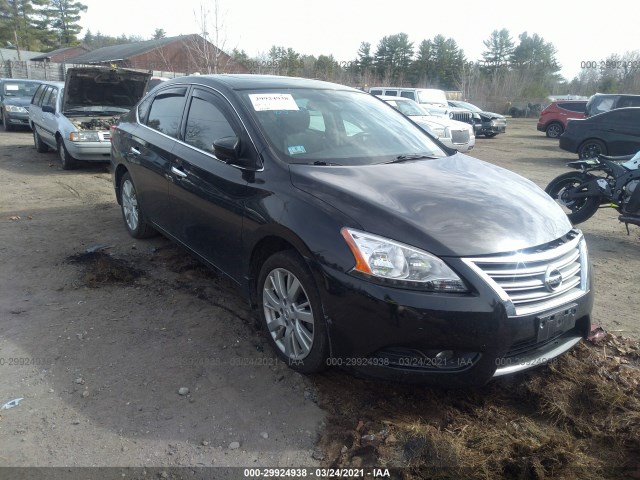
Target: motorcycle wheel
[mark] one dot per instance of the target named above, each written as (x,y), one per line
(578,210)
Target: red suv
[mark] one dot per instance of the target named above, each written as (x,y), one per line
(553,119)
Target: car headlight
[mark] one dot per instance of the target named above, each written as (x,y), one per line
(84,137)
(15,109)
(395,263)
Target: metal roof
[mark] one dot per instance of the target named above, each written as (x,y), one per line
(125,51)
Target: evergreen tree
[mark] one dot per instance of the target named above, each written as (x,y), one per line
(63,17)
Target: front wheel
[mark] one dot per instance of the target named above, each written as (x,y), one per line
(66,160)
(5,123)
(292,313)
(490,135)
(578,210)
(41,147)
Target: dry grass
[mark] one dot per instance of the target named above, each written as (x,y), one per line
(578,418)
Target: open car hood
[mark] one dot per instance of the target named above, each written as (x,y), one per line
(103,88)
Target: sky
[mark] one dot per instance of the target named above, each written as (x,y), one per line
(581,32)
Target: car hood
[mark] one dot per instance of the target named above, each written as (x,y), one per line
(17,101)
(491,115)
(453,206)
(97,88)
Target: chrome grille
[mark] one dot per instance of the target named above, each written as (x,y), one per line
(460,136)
(466,117)
(535,280)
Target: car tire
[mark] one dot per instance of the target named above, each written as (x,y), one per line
(579,210)
(591,149)
(133,217)
(5,123)
(41,147)
(490,135)
(554,130)
(291,312)
(66,160)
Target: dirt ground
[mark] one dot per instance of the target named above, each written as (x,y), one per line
(99,344)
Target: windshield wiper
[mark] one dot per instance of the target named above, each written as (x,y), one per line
(325,164)
(413,156)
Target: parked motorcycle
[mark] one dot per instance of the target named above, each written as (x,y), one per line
(600,182)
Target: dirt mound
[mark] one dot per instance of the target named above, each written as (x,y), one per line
(576,418)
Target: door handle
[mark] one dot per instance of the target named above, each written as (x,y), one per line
(134,151)
(178,172)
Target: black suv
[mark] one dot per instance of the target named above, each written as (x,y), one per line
(604,102)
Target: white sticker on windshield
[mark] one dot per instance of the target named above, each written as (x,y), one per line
(272,101)
(11,87)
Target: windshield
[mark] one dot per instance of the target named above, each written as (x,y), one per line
(336,127)
(467,105)
(20,89)
(408,107)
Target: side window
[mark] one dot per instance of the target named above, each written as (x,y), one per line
(573,107)
(392,93)
(628,102)
(51,99)
(410,95)
(205,124)
(143,109)
(166,111)
(376,92)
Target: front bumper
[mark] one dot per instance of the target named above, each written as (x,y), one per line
(445,339)
(492,129)
(17,119)
(89,151)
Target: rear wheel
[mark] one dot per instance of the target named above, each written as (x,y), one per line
(66,160)
(292,313)
(554,130)
(591,149)
(578,210)
(133,217)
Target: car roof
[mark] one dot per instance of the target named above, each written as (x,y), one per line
(28,80)
(257,82)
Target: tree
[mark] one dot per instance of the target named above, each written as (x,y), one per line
(447,62)
(20,24)
(159,33)
(63,17)
(499,49)
(393,57)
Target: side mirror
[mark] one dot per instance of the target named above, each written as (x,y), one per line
(48,109)
(227,149)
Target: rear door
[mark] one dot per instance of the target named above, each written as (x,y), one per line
(47,121)
(148,149)
(210,193)
(623,131)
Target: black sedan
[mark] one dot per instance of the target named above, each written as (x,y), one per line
(616,132)
(488,124)
(362,243)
